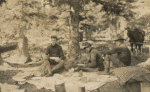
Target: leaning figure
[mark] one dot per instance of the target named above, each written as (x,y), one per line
(120,56)
(94,62)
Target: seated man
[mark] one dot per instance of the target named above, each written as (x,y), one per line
(55,55)
(119,56)
(95,62)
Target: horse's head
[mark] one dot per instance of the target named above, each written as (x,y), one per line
(128,32)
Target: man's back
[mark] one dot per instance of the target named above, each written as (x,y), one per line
(124,55)
(97,55)
(95,58)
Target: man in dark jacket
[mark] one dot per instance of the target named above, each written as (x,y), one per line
(55,55)
(120,56)
(95,61)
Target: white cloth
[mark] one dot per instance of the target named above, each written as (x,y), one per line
(73,82)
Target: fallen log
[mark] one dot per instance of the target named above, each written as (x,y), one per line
(25,65)
(8,47)
(5,48)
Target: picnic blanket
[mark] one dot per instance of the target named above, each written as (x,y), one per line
(124,74)
(72,82)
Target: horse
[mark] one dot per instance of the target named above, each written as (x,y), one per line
(136,37)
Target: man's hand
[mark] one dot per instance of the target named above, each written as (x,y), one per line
(57,59)
(45,57)
(103,56)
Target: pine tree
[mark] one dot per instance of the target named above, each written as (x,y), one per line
(114,9)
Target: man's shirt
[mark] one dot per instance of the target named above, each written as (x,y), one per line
(95,58)
(55,51)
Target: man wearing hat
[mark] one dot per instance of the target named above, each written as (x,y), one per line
(120,56)
(95,61)
(55,55)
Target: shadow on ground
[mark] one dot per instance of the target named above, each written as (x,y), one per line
(6,77)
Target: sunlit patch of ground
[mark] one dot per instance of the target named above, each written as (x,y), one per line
(6,77)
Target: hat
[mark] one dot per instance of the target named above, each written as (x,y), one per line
(118,37)
(54,36)
(86,45)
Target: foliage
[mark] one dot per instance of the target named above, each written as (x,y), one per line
(34,16)
(114,9)
(140,23)
(101,14)
(2,1)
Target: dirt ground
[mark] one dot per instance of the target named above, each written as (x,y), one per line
(6,77)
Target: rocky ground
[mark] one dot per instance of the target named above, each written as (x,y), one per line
(6,76)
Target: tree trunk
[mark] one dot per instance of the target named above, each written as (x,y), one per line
(23,48)
(74,41)
(60,87)
(81,89)
(1,60)
(74,48)
(70,28)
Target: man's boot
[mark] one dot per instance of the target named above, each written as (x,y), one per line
(107,67)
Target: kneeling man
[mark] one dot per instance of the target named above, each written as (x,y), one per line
(120,56)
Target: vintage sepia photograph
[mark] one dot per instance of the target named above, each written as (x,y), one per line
(74,45)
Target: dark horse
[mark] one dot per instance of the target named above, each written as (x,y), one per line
(136,37)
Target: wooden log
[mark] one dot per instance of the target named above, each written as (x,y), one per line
(8,47)
(81,89)
(60,87)
(25,65)
(5,48)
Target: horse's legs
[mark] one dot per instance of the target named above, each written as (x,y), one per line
(136,50)
(131,44)
(139,48)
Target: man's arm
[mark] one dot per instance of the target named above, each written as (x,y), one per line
(93,60)
(113,51)
(47,50)
(61,53)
